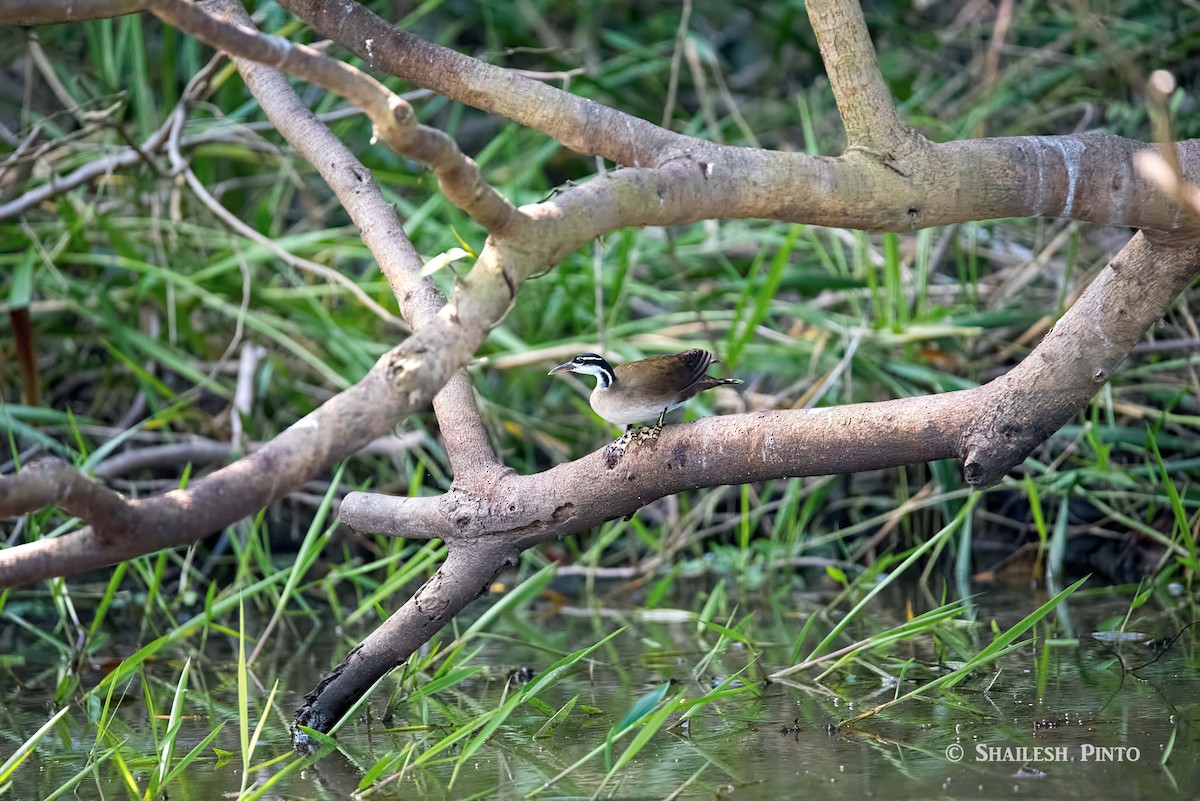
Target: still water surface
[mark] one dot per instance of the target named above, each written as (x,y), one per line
(1060,720)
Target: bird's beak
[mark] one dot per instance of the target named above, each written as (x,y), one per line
(569,367)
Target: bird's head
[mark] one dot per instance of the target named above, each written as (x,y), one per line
(589,364)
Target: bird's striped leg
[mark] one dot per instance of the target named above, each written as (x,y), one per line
(651,434)
(616,448)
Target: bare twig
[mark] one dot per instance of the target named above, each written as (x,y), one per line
(243,396)
(200,451)
(676,57)
(93,170)
(53,482)
(394,120)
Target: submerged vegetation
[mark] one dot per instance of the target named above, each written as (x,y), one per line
(718,643)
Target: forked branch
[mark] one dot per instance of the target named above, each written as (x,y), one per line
(992,428)
(890,178)
(394,120)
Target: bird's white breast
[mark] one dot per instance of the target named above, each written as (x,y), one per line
(625,413)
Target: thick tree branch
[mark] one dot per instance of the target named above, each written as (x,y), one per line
(1079,355)
(464,576)
(335,431)
(889,179)
(580,124)
(1084,177)
(53,482)
(993,428)
(732,449)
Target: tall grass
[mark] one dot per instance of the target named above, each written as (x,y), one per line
(141,303)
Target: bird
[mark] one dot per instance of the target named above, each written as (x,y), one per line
(637,392)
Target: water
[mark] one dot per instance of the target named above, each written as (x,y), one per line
(1101,732)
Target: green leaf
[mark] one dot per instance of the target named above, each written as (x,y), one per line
(643,705)
(541,706)
(20,292)
(26,748)
(650,728)
(558,717)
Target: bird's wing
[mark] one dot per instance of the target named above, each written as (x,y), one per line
(679,371)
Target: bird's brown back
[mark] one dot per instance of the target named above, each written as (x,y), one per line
(678,372)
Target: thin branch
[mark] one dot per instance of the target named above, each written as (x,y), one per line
(130,156)
(393,117)
(465,439)
(863,98)
(676,58)
(200,451)
(305,265)
(93,170)
(123,158)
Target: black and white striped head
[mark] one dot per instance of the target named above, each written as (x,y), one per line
(590,364)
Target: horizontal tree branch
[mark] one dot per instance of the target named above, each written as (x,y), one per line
(880,185)
(1086,177)
(47,12)
(991,428)
(201,451)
